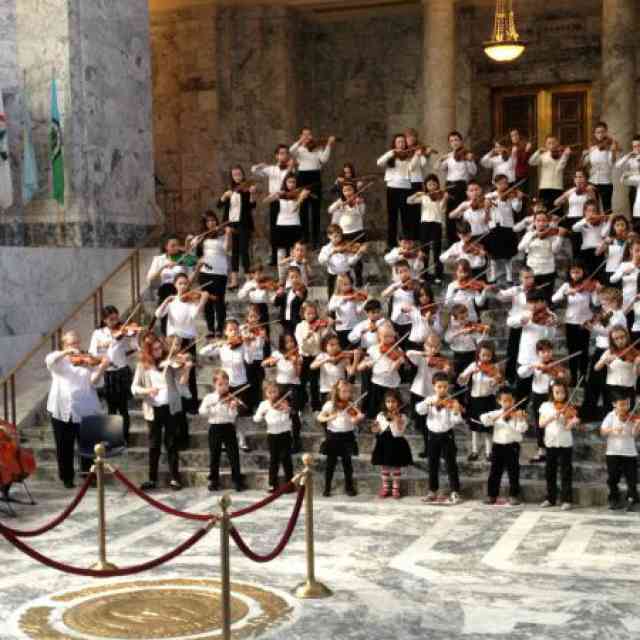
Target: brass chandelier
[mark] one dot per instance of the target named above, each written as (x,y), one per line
(505,44)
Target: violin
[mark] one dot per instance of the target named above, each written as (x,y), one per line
(461,154)
(16,463)
(347,247)
(473,248)
(566,410)
(394,354)
(450,404)
(586,286)
(438,362)
(436,196)
(550,232)
(193,296)
(476,327)
(281,404)
(321,323)
(122,330)
(628,354)
(320,143)
(490,369)
(356,296)
(84,359)
(429,308)
(293,355)
(243,187)
(342,355)
(514,414)
(555,371)
(252,332)
(409,254)
(177,361)
(472,284)
(543,316)
(267,284)
(605,144)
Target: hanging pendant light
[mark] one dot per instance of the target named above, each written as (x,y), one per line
(505,45)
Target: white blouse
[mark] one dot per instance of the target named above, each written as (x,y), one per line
(397,176)
(168,275)
(182,317)
(330,372)
(289,214)
(310,160)
(103,344)
(350,219)
(216,411)
(578,304)
(382,373)
(556,433)
(623,444)
(285,369)
(232,361)
(215,257)
(277,421)
(342,423)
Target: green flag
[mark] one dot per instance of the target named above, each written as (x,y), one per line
(55,141)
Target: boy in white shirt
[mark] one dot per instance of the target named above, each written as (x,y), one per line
(335,258)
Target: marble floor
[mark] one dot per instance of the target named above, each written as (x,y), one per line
(398,569)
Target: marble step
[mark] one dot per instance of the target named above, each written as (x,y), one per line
(414,483)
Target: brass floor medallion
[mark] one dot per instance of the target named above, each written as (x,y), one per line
(179,609)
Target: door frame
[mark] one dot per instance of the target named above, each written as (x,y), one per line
(544,106)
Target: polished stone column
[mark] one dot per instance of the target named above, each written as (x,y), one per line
(439,71)
(619,75)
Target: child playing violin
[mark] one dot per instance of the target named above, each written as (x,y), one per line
(473,211)
(609,316)
(257,347)
(580,294)
(465,249)
(338,257)
(601,157)
(299,259)
(462,336)
(466,290)
(540,245)
(233,360)
(628,273)
(620,428)
(260,290)
(275,411)
(288,363)
(484,377)
(162,387)
(502,162)
(402,294)
(551,161)
(425,316)
(384,359)
(541,373)
(622,362)
(613,245)
(221,410)
(442,413)
(348,213)
(557,418)
(433,201)
(391,451)
(502,243)
(536,323)
(182,311)
(309,334)
(592,227)
(290,300)
(346,174)
(116,342)
(347,304)
(407,252)
(427,363)
(333,363)
(509,424)
(238,203)
(213,247)
(341,416)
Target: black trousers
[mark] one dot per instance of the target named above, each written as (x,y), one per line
(331,284)
(215,311)
(537,400)
(461,360)
(280,454)
(617,467)
(163,424)
(548,197)
(523,386)
(358,267)
(295,402)
(191,404)
(164,292)
(311,207)
(274,210)
(255,377)
(420,422)
(605,191)
(432,232)
(344,453)
(396,207)
(219,435)
(66,434)
(559,457)
(632,197)
(412,214)
(443,445)
(457,195)
(504,457)
(240,245)
(116,393)
(578,340)
(591,262)
(513,345)
(595,384)
(311,378)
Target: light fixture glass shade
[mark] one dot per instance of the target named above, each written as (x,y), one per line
(504,51)
(505,44)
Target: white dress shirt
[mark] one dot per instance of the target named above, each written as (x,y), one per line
(336,262)
(556,433)
(540,252)
(531,333)
(620,444)
(432,210)
(273,172)
(289,213)
(504,431)
(401,298)
(168,275)
(456,295)
(477,218)
(421,328)
(500,166)
(286,372)
(438,420)
(277,421)
(461,342)
(342,423)
(576,202)
(517,296)
(350,219)
(397,176)
(217,411)
(103,344)
(601,332)
(330,372)
(541,381)
(591,234)
(629,281)
(308,340)
(382,373)
(458,171)
(456,252)
(416,265)
(551,171)
(232,361)
(361,335)
(619,372)
(347,312)
(72,395)
(310,160)
(578,304)
(214,256)
(182,317)
(601,163)
(419,169)
(482,385)
(422,384)
(614,251)
(502,211)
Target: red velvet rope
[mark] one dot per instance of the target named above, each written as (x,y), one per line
(197,516)
(283,541)
(93,573)
(18,533)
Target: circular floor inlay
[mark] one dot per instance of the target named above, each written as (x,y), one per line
(180,609)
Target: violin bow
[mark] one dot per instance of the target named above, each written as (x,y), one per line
(509,190)
(192,344)
(167,362)
(602,264)
(633,344)
(512,409)
(353,405)
(395,344)
(233,395)
(575,391)
(565,359)
(282,398)
(133,313)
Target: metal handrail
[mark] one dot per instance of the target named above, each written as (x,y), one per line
(8,381)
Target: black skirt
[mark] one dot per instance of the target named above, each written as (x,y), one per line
(478,406)
(340,444)
(391,451)
(117,384)
(501,243)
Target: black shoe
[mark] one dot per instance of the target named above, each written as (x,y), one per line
(472,457)
(423,454)
(613,505)
(327,493)
(148,485)
(489,500)
(175,485)
(214,486)
(351,491)
(296,448)
(69,484)
(245,447)
(630,503)
(273,262)
(538,459)
(239,486)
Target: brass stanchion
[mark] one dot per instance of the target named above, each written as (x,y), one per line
(98,468)
(225,567)
(311,588)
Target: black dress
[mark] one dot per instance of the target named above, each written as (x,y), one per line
(390,450)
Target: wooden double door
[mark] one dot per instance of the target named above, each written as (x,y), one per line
(563,111)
